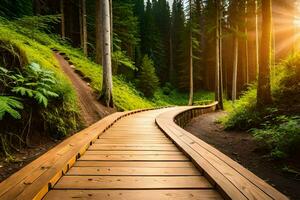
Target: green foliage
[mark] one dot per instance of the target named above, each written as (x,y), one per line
(281,137)
(36,83)
(120,59)
(16,8)
(147,81)
(243,114)
(41,80)
(276,126)
(10,105)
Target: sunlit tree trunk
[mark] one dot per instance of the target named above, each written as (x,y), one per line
(217,67)
(256,36)
(107,84)
(235,64)
(98,32)
(264,88)
(220,58)
(63,30)
(191,96)
(246,43)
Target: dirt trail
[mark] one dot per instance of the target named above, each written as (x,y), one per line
(91,109)
(242,147)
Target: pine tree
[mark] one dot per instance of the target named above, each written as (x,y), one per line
(148,81)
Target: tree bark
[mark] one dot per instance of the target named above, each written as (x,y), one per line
(107,84)
(235,64)
(99,32)
(171,71)
(264,88)
(256,36)
(84,28)
(63,29)
(217,67)
(191,96)
(220,59)
(246,44)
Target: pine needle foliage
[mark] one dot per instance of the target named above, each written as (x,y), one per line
(148,81)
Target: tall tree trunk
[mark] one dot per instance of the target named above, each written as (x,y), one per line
(171,71)
(63,26)
(191,96)
(111,24)
(264,88)
(256,36)
(106,55)
(220,59)
(99,32)
(246,44)
(83,26)
(251,27)
(217,68)
(235,64)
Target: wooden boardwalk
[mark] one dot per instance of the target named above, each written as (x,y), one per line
(139,155)
(134,160)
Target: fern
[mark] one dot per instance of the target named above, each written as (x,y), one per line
(38,84)
(10,105)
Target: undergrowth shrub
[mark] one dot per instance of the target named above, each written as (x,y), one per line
(148,81)
(275,126)
(49,102)
(281,137)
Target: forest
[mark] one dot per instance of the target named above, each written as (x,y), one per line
(137,54)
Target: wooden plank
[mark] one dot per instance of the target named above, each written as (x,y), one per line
(134,164)
(133,194)
(130,182)
(132,171)
(233,179)
(133,153)
(132,141)
(136,145)
(100,147)
(135,157)
(124,136)
(33,179)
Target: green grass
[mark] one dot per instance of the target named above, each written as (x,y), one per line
(37,46)
(61,121)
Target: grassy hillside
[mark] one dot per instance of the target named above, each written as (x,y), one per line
(38,47)
(60,116)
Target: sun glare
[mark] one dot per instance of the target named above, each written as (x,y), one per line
(297,21)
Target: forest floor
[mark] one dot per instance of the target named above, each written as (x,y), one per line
(242,147)
(91,111)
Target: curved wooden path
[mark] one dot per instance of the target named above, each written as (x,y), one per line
(131,156)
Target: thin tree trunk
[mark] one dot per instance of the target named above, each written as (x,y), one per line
(111,24)
(217,69)
(191,96)
(80,23)
(99,32)
(171,72)
(246,43)
(235,64)
(63,29)
(256,36)
(220,60)
(264,88)
(106,55)
(84,27)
